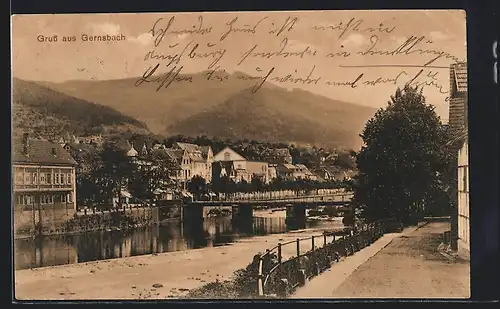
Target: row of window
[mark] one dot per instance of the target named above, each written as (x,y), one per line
(35,178)
(28,199)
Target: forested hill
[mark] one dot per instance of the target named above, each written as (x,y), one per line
(45,112)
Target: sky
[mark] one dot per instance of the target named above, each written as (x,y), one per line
(340,48)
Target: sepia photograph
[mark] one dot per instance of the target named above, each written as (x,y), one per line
(240,155)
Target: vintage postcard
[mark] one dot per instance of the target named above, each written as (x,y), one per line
(262,155)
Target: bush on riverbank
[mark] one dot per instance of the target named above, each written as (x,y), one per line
(99,222)
(243,284)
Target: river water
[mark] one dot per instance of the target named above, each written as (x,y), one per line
(167,237)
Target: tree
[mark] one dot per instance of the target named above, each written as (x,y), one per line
(197,186)
(154,171)
(257,184)
(113,172)
(346,160)
(403,162)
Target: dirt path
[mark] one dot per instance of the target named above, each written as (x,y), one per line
(408,267)
(134,277)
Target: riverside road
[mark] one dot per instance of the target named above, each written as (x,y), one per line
(406,265)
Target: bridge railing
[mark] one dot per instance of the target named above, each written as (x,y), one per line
(280,276)
(277,195)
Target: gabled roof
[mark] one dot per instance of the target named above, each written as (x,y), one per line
(41,152)
(228,149)
(459,76)
(204,151)
(175,154)
(196,156)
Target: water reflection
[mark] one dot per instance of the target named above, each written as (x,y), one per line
(168,237)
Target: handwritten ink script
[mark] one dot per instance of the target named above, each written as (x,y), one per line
(292,51)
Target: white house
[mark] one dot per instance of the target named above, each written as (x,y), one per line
(194,160)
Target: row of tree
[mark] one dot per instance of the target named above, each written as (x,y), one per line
(105,172)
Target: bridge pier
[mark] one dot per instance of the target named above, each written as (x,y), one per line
(296,216)
(192,213)
(242,218)
(242,211)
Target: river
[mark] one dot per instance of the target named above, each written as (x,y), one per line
(167,237)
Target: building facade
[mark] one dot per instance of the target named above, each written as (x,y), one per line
(463,244)
(195,161)
(458,125)
(44,174)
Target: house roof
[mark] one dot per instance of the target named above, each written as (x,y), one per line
(286,167)
(229,149)
(41,152)
(175,154)
(196,156)
(459,136)
(132,152)
(188,147)
(460,76)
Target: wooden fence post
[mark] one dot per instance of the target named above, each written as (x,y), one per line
(312,242)
(279,261)
(298,248)
(260,286)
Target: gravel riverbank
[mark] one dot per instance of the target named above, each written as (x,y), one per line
(166,275)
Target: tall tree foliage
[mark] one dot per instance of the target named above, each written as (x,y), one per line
(404,164)
(153,171)
(113,172)
(197,186)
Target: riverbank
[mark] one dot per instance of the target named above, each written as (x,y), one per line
(173,274)
(406,265)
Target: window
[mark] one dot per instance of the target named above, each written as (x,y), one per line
(19,176)
(27,178)
(69,198)
(46,199)
(42,178)
(20,200)
(69,178)
(28,200)
(34,178)
(227,156)
(56,178)
(49,178)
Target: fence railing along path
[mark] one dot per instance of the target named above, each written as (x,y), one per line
(288,265)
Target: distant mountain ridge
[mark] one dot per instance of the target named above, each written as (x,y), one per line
(47,112)
(229,110)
